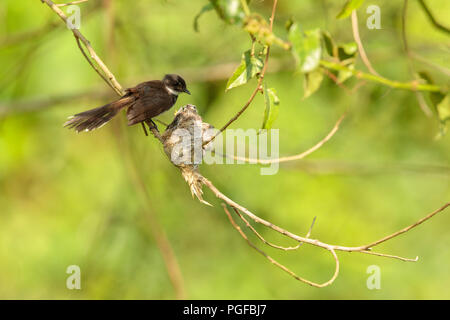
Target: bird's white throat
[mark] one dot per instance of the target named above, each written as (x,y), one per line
(171,91)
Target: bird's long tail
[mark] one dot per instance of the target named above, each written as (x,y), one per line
(95,118)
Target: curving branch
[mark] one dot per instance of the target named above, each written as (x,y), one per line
(413,85)
(419,96)
(365,249)
(299,156)
(196,180)
(105,74)
(362,52)
(432,18)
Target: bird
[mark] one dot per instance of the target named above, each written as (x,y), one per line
(143,102)
(183,144)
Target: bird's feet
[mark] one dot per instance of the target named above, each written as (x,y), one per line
(152,125)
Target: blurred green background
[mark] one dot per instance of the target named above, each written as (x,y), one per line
(74,199)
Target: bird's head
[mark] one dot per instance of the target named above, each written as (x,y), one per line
(175,84)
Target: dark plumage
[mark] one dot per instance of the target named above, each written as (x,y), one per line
(143,102)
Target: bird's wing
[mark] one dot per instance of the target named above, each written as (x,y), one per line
(151,100)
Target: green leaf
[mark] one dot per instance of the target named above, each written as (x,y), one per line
(272,107)
(229,11)
(250,66)
(435,97)
(343,75)
(312,82)
(305,47)
(349,6)
(330,46)
(347,51)
(206,8)
(443,109)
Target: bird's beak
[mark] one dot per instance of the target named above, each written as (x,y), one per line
(187,91)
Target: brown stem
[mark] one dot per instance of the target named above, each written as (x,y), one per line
(297,156)
(79,36)
(362,52)
(365,249)
(258,86)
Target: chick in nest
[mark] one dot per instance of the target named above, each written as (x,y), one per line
(183,143)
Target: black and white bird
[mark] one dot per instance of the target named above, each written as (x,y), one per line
(142,102)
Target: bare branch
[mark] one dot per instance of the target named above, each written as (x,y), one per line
(108,76)
(419,96)
(365,249)
(261,237)
(395,234)
(279,265)
(361,50)
(294,157)
(71,3)
(436,66)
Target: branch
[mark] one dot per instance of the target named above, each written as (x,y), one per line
(107,76)
(439,68)
(71,3)
(365,249)
(413,85)
(419,96)
(258,86)
(361,50)
(279,265)
(297,156)
(432,19)
(158,233)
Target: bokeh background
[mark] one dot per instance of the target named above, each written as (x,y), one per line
(78,199)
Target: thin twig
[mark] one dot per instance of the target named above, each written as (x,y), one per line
(330,75)
(362,52)
(79,36)
(261,237)
(71,3)
(436,66)
(413,85)
(269,243)
(365,249)
(419,96)
(279,265)
(432,19)
(258,86)
(395,234)
(92,64)
(302,155)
